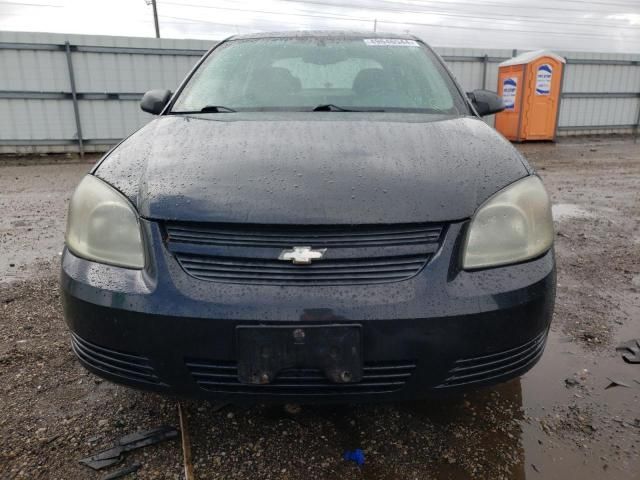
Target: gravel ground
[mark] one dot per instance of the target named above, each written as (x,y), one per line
(558,421)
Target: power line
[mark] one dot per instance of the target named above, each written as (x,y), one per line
(412,8)
(606,4)
(471,16)
(509,5)
(23,4)
(195,21)
(391,22)
(583,3)
(208,22)
(335,16)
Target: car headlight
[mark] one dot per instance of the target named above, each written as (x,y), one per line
(103,226)
(512,226)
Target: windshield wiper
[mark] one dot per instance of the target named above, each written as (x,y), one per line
(330,107)
(216,109)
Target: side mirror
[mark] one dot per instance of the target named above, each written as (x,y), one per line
(486,102)
(154,101)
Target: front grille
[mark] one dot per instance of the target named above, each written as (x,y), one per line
(490,367)
(124,365)
(318,236)
(222,377)
(248,254)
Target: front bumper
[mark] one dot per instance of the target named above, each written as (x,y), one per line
(443,330)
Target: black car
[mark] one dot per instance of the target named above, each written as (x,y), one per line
(311,217)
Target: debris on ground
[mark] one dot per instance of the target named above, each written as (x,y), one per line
(578,379)
(123,472)
(571,382)
(133,441)
(616,383)
(293,408)
(186,445)
(356,456)
(630,350)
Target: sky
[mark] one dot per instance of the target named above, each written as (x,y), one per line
(589,25)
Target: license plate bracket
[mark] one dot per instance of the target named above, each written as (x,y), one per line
(264,351)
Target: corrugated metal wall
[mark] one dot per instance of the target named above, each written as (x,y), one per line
(601,91)
(110,73)
(475,68)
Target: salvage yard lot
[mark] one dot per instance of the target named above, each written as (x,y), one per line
(558,421)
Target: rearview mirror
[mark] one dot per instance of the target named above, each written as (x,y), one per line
(154,101)
(486,102)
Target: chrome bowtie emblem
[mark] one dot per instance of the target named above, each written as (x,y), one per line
(301,255)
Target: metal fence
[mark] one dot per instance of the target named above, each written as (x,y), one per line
(81,93)
(75,92)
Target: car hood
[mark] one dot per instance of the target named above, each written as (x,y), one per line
(311,168)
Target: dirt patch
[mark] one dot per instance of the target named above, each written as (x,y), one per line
(595,193)
(54,412)
(33,201)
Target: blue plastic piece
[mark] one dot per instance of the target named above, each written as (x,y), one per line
(356,455)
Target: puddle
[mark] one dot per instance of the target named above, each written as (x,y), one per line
(530,428)
(562,211)
(596,432)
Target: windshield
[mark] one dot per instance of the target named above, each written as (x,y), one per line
(334,74)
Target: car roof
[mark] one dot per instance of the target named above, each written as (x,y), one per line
(323,34)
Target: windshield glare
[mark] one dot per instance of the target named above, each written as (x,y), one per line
(302,73)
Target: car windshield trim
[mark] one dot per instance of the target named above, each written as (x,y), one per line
(330,107)
(428,111)
(208,109)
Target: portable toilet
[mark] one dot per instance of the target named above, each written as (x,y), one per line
(530,86)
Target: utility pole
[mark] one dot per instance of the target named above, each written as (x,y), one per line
(375,24)
(155,16)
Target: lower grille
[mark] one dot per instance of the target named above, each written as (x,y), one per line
(111,362)
(489,367)
(377,378)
